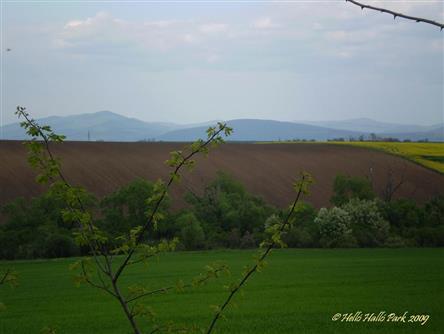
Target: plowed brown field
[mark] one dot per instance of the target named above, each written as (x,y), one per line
(266,170)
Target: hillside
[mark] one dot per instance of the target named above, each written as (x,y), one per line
(264,130)
(368,125)
(109,126)
(102,125)
(266,170)
(434,134)
(430,155)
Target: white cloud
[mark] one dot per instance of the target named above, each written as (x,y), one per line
(159,35)
(161,23)
(329,30)
(91,21)
(213,58)
(73,24)
(273,55)
(264,23)
(213,28)
(189,38)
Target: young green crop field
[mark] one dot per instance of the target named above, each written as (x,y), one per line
(430,155)
(298,292)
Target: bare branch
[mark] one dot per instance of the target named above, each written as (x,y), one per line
(396,14)
(391,186)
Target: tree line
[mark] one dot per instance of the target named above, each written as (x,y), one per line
(226,215)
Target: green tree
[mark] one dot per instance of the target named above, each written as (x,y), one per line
(192,235)
(304,233)
(348,187)
(403,214)
(33,228)
(226,208)
(434,212)
(126,208)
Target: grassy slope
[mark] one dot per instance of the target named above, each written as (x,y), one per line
(430,155)
(298,292)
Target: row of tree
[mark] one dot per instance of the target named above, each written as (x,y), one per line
(225,215)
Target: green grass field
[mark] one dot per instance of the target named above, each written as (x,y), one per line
(298,292)
(430,155)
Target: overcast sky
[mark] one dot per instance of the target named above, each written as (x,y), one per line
(193,62)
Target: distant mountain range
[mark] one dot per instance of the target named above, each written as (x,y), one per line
(263,130)
(109,126)
(368,125)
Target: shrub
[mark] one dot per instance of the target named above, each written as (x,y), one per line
(126,207)
(349,187)
(402,215)
(192,234)
(434,212)
(369,227)
(394,241)
(32,227)
(334,228)
(248,241)
(226,205)
(60,245)
(304,232)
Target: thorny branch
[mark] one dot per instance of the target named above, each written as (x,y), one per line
(396,14)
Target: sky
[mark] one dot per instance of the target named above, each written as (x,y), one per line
(188,61)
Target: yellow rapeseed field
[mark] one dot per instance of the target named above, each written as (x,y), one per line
(430,155)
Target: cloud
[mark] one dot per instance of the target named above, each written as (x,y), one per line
(307,57)
(264,23)
(271,41)
(104,30)
(213,28)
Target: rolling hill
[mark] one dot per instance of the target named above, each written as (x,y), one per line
(263,130)
(267,170)
(109,126)
(102,125)
(368,125)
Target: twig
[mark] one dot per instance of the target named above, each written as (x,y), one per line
(261,259)
(94,247)
(5,276)
(174,174)
(396,14)
(168,288)
(90,282)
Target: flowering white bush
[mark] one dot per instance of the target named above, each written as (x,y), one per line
(369,227)
(334,228)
